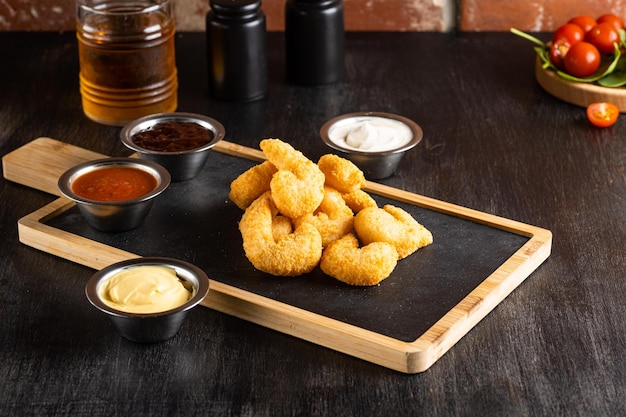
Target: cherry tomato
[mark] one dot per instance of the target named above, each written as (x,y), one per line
(614,20)
(573,33)
(603,36)
(558,50)
(602,114)
(582,60)
(585,22)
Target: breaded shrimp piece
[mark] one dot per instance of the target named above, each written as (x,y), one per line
(365,266)
(333,218)
(298,186)
(292,255)
(392,225)
(248,186)
(358,200)
(341,173)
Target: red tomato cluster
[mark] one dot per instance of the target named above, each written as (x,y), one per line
(577,46)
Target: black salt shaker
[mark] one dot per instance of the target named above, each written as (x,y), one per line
(314,41)
(236,50)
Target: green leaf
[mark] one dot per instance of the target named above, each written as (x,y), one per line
(528,37)
(617,78)
(544,55)
(613,80)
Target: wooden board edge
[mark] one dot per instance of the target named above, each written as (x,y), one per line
(464,316)
(233,149)
(455,210)
(323,331)
(32,231)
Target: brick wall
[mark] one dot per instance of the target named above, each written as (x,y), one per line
(361,15)
(530,15)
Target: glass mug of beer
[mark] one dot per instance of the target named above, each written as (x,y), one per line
(127,59)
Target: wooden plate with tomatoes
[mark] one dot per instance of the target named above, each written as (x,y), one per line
(580,94)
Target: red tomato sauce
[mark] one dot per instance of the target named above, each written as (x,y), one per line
(114,184)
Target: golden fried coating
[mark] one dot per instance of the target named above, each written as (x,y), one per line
(392,225)
(281,227)
(292,255)
(358,200)
(368,265)
(333,218)
(298,186)
(248,186)
(341,173)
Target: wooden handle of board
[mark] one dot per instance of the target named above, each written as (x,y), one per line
(40,163)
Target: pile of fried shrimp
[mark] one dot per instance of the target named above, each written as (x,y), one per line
(299,214)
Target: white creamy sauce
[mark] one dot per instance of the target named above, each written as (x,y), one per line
(373,134)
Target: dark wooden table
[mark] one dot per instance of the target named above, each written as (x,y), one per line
(494,141)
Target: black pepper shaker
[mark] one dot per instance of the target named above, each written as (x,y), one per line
(314,41)
(236,50)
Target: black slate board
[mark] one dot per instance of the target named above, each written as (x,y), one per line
(196,222)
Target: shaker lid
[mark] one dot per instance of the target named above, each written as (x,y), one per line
(235,5)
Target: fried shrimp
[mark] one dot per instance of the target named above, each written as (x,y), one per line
(368,265)
(299,214)
(392,225)
(358,200)
(248,186)
(341,173)
(295,254)
(298,185)
(333,218)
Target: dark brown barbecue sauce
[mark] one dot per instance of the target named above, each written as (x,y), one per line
(173,137)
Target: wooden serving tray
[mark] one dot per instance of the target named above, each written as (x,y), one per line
(433,298)
(579,94)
